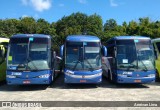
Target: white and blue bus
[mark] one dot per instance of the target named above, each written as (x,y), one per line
(82,59)
(29,60)
(130,60)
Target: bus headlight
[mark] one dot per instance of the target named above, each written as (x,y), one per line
(44,76)
(69,72)
(151,75)
(10,76)
(99,74)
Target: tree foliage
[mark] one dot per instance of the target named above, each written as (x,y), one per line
(79,23)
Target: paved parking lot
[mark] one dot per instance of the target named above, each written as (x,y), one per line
(59,91)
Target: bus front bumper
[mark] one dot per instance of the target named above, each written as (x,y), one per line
(19,81)
(89,79)
(140,80)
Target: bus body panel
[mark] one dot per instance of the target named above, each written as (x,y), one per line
(37,77)
(83,76)
(157,61)
(130,70)
(33,63)
(135,76)
(157,53)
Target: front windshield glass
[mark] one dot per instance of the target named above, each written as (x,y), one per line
(135,54)
(126,55)
(83,55)
(92,58)
(28,54)
(145,55)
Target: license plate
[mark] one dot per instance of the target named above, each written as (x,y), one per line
(138,81)
(26,82)
(83,81)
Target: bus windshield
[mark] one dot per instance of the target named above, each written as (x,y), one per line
(145,55)
(28,54)
(83,56)
(135,54)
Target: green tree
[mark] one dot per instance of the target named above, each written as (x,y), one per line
(8,27)
(133,28)
(27,25)
(110,25)
(73,24)
(43,27)
(94,25)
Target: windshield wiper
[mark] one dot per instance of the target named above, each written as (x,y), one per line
(145,68)
(89,64)
(22,65)
(78,61)
(30,61)
(131,66)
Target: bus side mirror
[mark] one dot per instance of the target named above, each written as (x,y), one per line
(104,51)
(59,58)
(61,51)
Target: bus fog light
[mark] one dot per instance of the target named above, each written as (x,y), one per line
(151,75)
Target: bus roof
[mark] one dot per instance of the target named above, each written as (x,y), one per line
(129,37)
(156,40)
(4,40)
(82,38)
(30,35)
